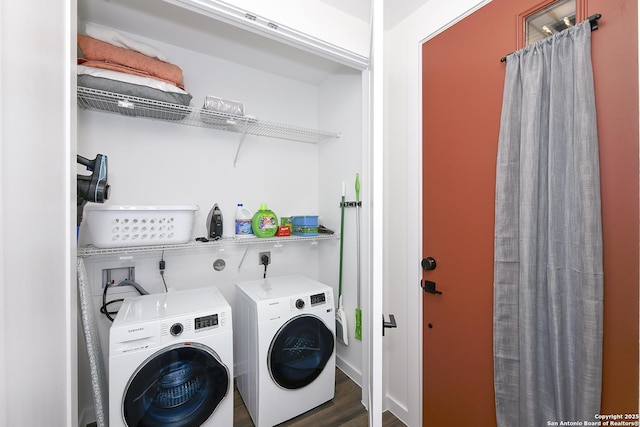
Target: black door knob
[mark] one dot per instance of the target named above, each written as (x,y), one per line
(428,263)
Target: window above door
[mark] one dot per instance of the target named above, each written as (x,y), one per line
(549,20)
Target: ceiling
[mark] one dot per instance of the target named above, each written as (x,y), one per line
(394,11)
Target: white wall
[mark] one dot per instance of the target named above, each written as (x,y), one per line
(340,160)
(38,306)
(403,200)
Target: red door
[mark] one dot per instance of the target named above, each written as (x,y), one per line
(462,95)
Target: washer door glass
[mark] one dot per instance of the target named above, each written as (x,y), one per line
(180,386)
(299,351)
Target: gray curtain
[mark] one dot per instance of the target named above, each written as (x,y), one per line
(548,237)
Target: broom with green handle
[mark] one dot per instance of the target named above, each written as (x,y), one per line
(342,332)
(358,329)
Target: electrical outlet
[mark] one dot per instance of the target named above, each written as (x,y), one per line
(116,275)
(263,254)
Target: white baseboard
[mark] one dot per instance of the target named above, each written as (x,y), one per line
(400,411)
(349,370)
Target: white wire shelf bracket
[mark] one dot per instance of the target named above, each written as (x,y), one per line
(111,102)
(86,251)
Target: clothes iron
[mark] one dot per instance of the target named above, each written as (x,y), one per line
(214,223)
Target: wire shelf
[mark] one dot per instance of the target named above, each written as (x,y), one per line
(87,251)
(99,100)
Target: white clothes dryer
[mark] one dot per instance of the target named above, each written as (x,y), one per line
(171,361)
(285,347)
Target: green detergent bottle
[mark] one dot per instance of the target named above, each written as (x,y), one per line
(264,222)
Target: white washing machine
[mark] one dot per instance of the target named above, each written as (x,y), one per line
(171,361)
(285,347)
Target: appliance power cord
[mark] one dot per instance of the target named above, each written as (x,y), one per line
(104,309)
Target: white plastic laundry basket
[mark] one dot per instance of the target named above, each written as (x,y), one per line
(118,226)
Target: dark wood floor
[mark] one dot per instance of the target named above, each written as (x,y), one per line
(344,410)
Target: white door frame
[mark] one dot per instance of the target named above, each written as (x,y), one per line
(373,360)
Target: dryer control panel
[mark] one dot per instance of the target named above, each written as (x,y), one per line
(318,299)
(311,301)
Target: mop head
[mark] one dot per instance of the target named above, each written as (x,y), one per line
(341,325)
(358,324)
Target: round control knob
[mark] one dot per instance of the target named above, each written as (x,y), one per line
(176,329)
(300,304)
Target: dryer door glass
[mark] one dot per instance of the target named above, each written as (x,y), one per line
(299,351)
(180,386)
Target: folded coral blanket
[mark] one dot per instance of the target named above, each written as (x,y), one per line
(104,55)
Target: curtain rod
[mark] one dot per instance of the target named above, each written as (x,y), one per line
(593,20)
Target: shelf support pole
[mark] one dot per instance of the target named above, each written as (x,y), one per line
(244,135)
(243,257)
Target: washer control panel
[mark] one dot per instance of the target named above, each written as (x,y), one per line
(206,322)
(189,327)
